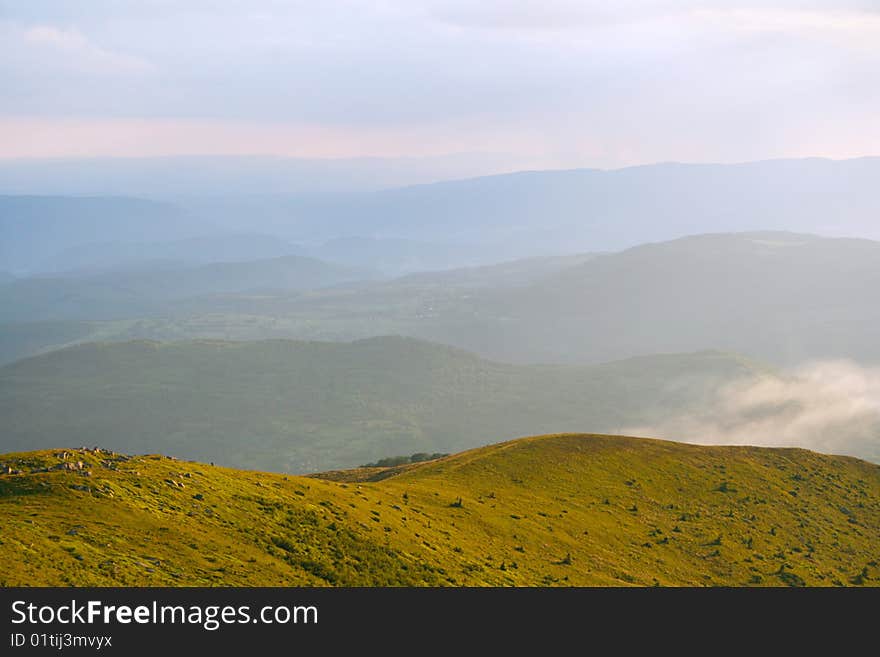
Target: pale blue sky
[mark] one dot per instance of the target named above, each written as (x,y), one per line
(552,83)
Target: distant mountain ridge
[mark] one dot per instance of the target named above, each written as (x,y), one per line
(96,257)
(34,228)
(499,217)
(603,210)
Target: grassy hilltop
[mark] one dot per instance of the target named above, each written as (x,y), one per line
(552,510)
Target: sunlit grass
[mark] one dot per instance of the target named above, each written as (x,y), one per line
(554,510)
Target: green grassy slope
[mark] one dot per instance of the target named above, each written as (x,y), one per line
(302,407)
(552,510)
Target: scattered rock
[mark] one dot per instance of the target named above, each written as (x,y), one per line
(79,465)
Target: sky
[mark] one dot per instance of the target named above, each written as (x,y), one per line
(548,83)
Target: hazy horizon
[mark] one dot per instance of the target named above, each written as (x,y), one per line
(548,85)
(180,177)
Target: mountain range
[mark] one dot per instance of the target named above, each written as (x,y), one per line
(492,218)
(782,298)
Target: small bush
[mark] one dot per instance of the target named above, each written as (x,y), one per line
(391,461)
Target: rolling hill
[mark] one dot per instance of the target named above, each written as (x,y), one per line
(561,510)
(35,228)
(511,273)
(511,215)
(782,298)
(347,312)
(779,297)
(306,406)
(150,289)
(22,339)
(96,257)
(562,211)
